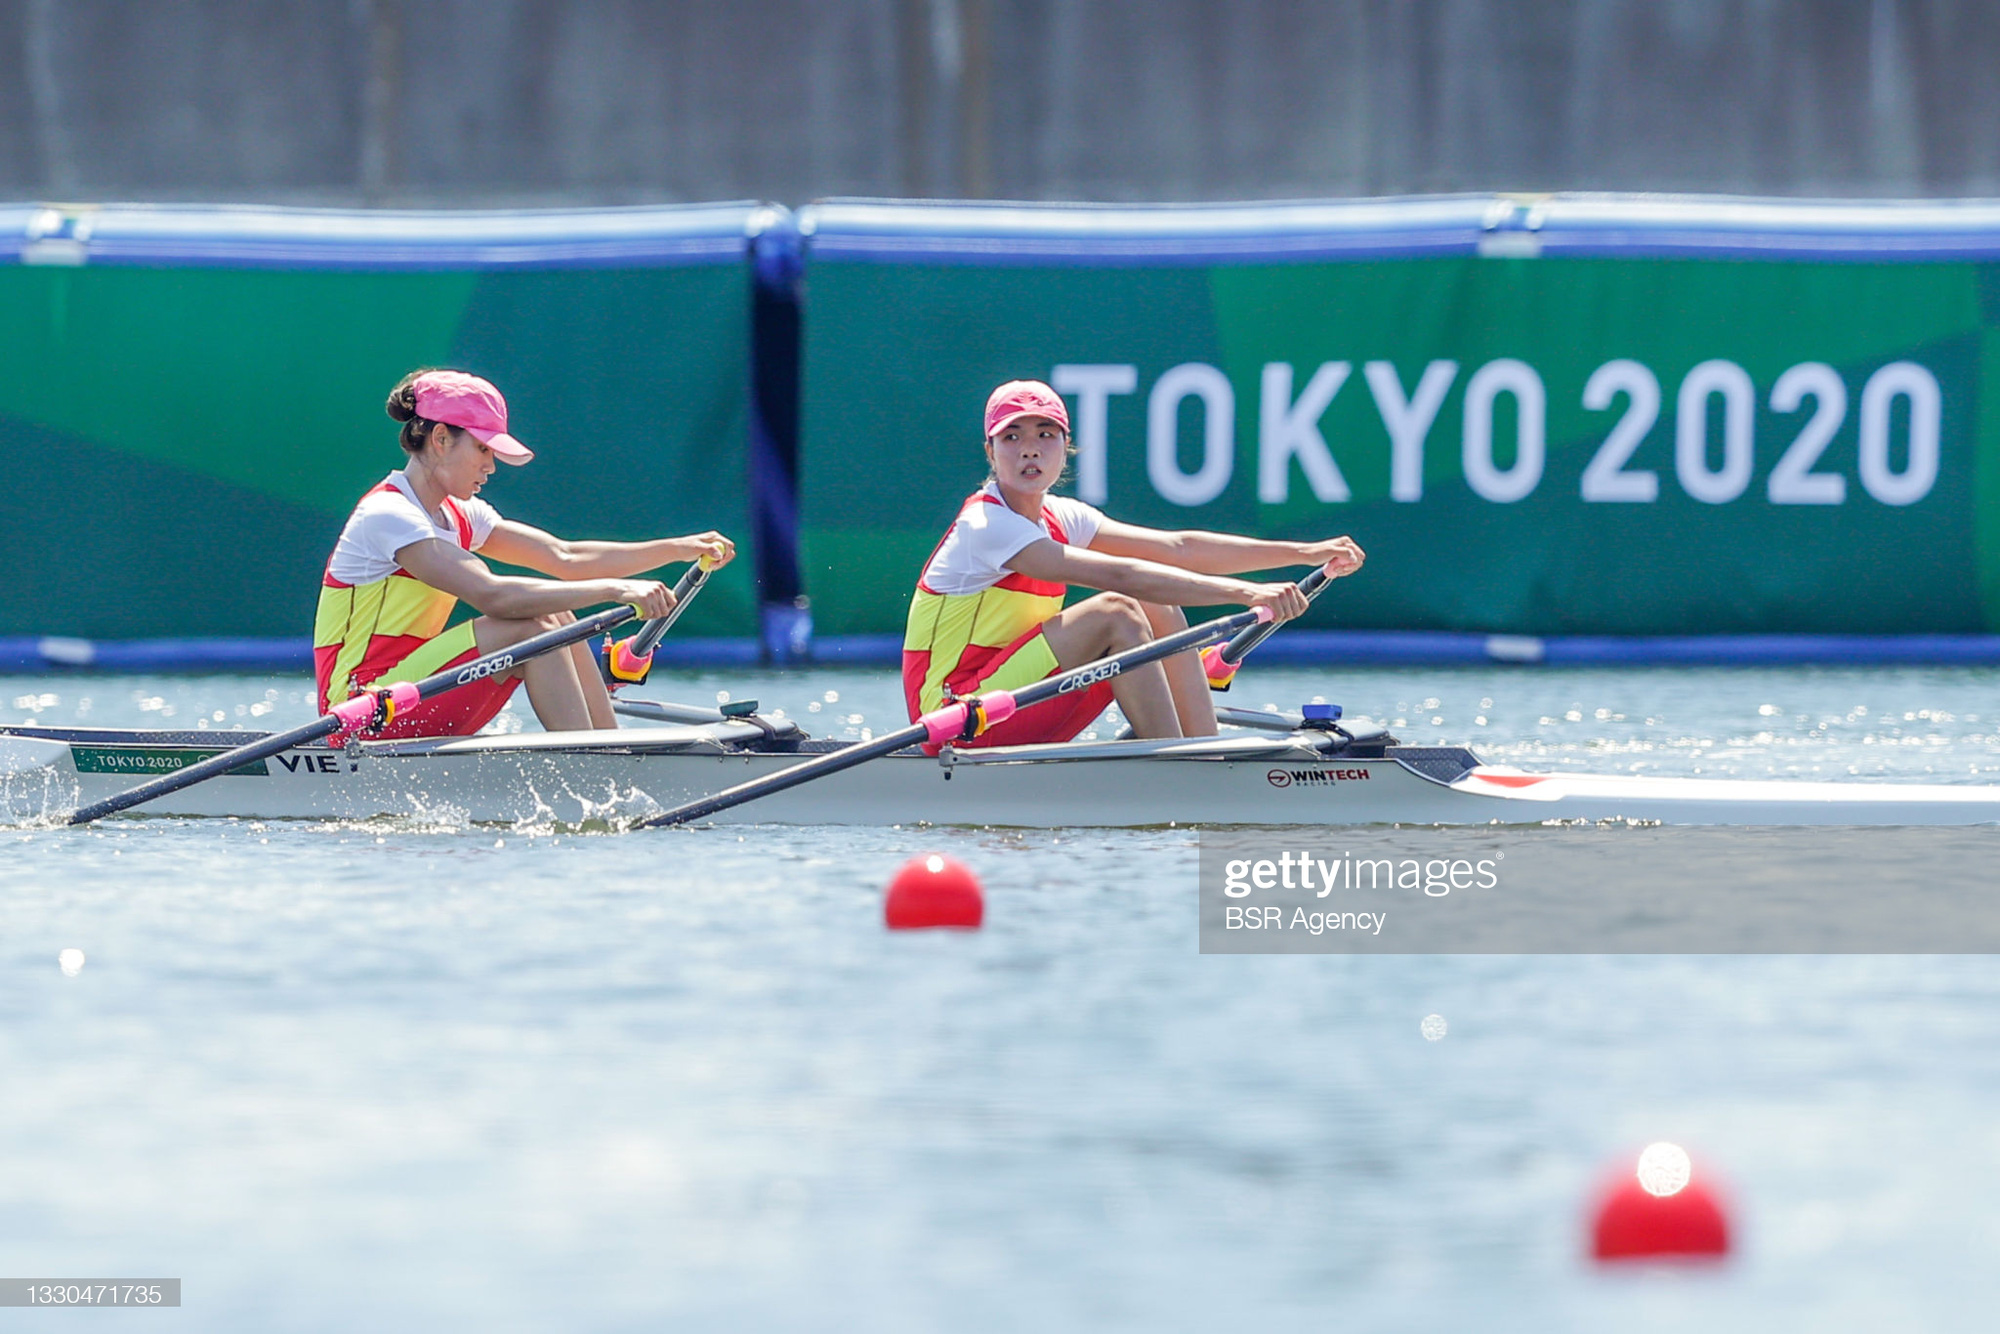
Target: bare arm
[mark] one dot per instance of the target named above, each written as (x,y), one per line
(452,569)
(1149,581)
(1222,553)
(530,547)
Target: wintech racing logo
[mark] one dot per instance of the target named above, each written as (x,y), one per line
(1314,777)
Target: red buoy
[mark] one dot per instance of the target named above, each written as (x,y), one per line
(934,890)
(1660,1212)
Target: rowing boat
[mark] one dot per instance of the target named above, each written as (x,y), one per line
(1265,769)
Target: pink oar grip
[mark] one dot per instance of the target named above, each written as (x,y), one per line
(359,713)
(628,666)
(403,696)
(1218,669)
(945,724)
(997,707)
(354,714)
(948,723)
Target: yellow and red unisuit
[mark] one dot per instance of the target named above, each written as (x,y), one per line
(992,639)
(397,629)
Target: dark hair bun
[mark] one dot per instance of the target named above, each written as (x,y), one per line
(402,404)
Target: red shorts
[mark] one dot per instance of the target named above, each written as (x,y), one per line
(458,712)
(1025,661)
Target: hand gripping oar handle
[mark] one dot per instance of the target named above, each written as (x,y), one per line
(1219,663)
(628,663)
(371,710)
(691,582)
(965,718)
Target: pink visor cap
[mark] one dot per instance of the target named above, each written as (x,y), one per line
(471,404)
(1023,398)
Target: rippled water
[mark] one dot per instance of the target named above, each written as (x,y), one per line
(390,1076)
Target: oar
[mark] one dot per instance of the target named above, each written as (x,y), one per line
(370,710)
(966,718)
(1220,662)
(629,662)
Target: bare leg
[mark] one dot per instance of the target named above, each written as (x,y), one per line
(1110,623)
(1194,703)
(595,696)
(553,686)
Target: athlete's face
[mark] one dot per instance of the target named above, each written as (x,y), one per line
(458,461)
(1028,455)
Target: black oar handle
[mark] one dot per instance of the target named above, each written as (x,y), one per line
(946,722)
(370,708)
(1239,648)
(690,583)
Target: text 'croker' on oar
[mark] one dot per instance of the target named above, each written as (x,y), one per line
(371,710)
(966,718)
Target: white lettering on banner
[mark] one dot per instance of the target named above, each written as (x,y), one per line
(1793,482)
(1218,451)
(1505,376)
(1739,405)
(1606,480)
(1899,445)
(1408,420)
(1908,380)
(1288,430)
(1093,386)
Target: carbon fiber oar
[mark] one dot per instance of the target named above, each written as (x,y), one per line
(965,718)
(1219,663)
(370,710)
(629,663)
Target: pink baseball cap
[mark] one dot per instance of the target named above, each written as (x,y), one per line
(473,405)
(1023,398)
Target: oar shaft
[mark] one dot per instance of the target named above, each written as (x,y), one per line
(1219,664)
(203,769)
(651,632)
(353,712)
(937,725)
(1239,648)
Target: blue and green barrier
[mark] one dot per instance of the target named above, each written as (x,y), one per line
(1567,429)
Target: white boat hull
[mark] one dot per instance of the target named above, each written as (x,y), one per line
(1243,779)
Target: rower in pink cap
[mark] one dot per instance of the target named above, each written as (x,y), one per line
(988,612)
(412,549)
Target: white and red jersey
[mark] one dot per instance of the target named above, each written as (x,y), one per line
(390,517)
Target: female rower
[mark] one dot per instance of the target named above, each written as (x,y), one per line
(988,612)
(406,557)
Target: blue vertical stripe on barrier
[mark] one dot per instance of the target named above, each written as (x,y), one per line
(778,259)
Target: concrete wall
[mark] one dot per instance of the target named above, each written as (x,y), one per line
(462,102)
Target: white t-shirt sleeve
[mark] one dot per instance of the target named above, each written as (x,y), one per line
(482,517)
(1079,521)
(374,534)
(387,521)
(974,554)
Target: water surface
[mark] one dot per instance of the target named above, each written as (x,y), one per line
(399,1076)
